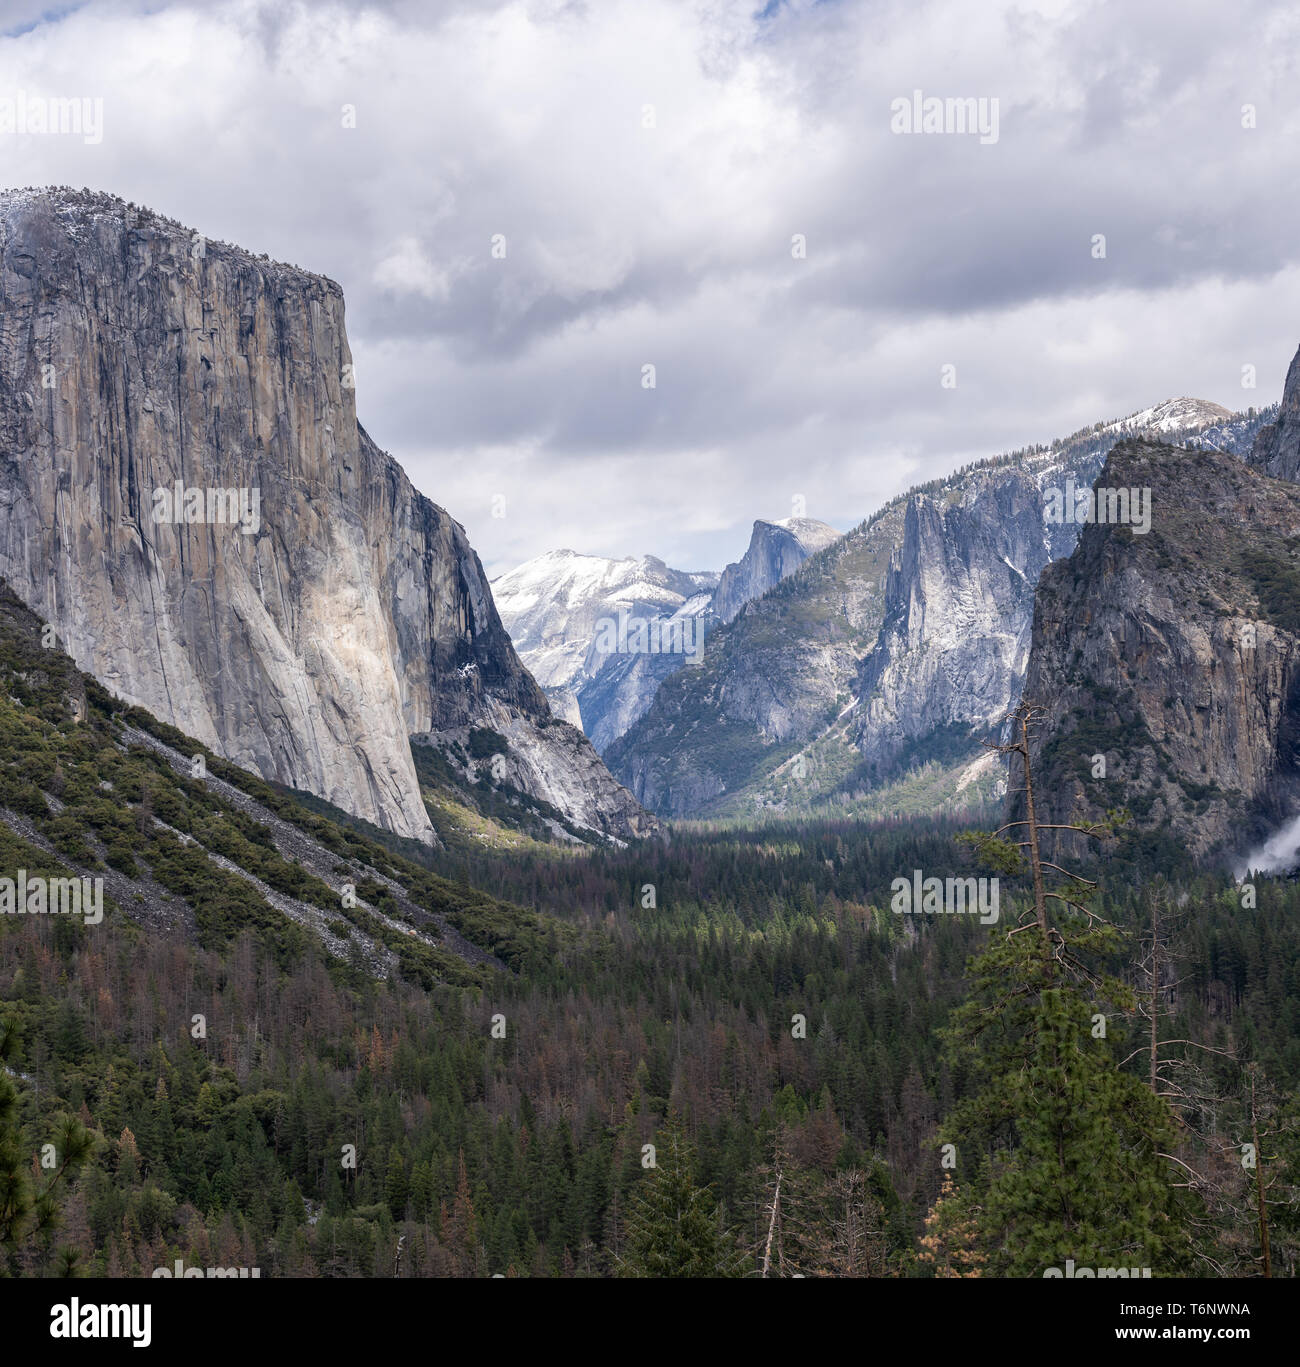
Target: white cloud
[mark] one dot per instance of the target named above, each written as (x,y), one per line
(407,270)
(670,244)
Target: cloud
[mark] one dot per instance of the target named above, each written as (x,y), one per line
(407,270)
(643,167)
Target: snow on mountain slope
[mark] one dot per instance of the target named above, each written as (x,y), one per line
(555,608)
(900,645)
(1172,415)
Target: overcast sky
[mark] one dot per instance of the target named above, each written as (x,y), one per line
(649,163)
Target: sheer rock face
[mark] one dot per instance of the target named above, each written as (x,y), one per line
(344,614)
(959,598)
(1175,655)
(1277,447)
(776,550)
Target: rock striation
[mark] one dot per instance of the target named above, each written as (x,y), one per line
(900,645)
(775,551)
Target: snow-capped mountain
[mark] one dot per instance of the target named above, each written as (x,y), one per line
(1171,415)
(600,635)
(561,608)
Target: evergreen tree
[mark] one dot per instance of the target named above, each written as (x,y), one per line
(1077,1146)
(674,1227)
(28,1209)
(949,1244)
(1078,1150)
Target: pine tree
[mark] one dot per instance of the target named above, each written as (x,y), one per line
(673,1226)
(28,1208)
(1076,1145)
(1077,1149)
(949,1244)
(396,1186)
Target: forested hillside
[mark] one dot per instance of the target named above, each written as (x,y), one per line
(459,1075)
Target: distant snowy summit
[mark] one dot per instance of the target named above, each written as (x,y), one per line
(776,550)
(563,610)
(1173,415)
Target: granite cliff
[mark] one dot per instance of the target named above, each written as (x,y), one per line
(868,678)
(153,385)
(1167,664)
(775,551)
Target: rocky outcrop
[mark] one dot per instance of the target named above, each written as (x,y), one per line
(1167,664)
(1277,447)
(775,551)
(959,598)
(343,612)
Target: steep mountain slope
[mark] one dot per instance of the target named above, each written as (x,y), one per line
(1175,655)
(559,610)
(140,363)
(896,648)
(91,789)
(1277,448)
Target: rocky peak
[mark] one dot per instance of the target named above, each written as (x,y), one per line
(894,651)
(1174,654)
(776,550)
(1277,447)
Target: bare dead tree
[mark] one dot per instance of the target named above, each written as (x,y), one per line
(1026,848)
(1171,1074)
(772,1224)
(858,1242)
